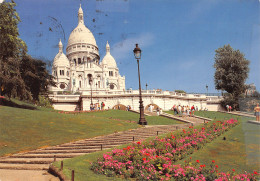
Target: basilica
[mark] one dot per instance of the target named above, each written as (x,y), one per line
(83,80)
(80,70)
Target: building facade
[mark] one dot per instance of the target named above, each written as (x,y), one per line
(87,80)
(80,70)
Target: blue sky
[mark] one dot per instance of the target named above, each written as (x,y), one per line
(178,38)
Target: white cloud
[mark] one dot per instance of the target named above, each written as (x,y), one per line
(123,48)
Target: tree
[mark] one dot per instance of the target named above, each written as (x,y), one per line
(35,75)
(231,73)
(20,75)
(11,50)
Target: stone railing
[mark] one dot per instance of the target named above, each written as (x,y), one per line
(144,93)
(57,98)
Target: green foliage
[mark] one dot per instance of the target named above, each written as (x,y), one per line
(180,91)
(232,70)
(20,75)
(11,50)
(35,76)
(44,101)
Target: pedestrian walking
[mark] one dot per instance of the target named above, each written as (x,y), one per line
(257,112)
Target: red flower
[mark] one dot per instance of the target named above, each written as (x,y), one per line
(255,173)
(203,128)
(216,166)
(197,161)
(213,161)
(202,166)
(144,159)
(138,142)
(233,170)
(156,156)
(173,137)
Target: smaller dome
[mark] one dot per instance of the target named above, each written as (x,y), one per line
(109,59)
(61,59)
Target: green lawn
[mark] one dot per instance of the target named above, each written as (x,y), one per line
(24,129)
(134,117)
(240,151)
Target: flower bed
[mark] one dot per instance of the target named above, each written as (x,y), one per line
(154,159)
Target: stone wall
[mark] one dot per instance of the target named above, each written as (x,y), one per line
(163,99)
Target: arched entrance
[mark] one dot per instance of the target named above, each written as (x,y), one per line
(119,107)
(152,108)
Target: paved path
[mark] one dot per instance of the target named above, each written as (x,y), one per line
(187,119)
(26,175)
(238,113)
(33,165)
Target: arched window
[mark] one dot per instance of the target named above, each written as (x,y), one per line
(79,60)
(111,73)
(61,72)
(75,62)
(68,74)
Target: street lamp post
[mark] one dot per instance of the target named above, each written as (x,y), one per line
(207,87)
(146,86)
(137,53)
(91,104)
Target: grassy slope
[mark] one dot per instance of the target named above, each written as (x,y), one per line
(134,117)
(23,129)
(240,151)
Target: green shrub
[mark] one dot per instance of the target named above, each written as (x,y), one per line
(44,102)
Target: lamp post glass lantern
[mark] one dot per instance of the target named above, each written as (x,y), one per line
(137,53)
(146,86)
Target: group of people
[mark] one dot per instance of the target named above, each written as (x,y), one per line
(97,106)
(150,108)
(158,110)
(184,110)
(128,108)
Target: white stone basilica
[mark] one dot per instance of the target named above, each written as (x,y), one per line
(83,80)
(80,69)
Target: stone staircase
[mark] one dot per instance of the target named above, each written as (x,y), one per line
(40,159)
(187,119)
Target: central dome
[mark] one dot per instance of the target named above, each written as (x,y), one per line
(81,34)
